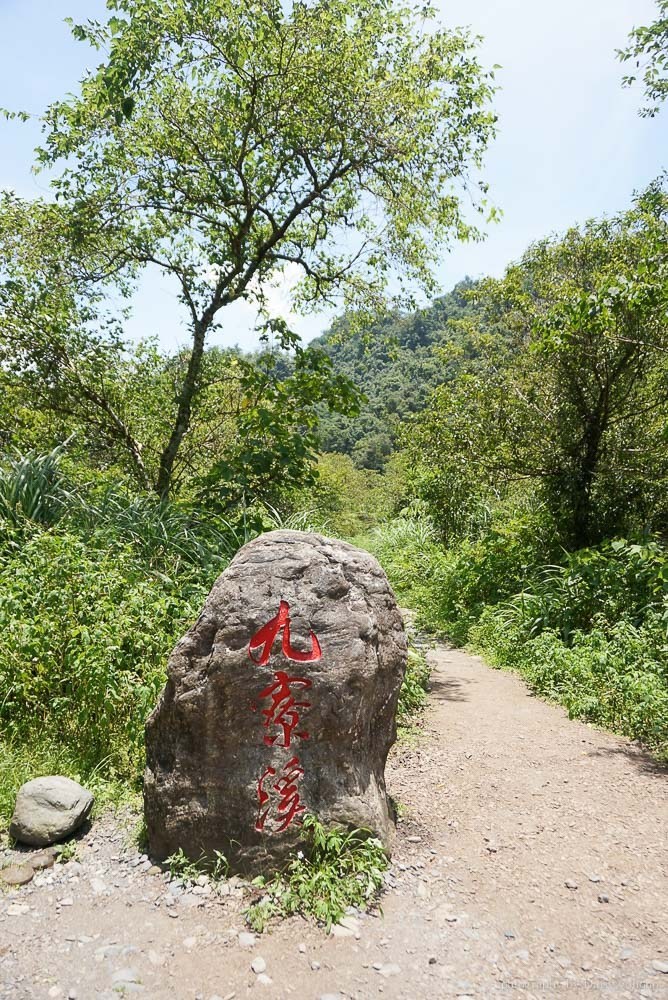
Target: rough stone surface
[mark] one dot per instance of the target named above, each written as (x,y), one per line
(48,809)
(217,730)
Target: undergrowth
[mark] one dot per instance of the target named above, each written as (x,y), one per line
(336,870)
(413,693)
(186,870)
(588,630)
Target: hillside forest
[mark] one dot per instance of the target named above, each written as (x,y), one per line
(503,451)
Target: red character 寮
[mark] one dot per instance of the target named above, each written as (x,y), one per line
(289,806)
(266,636)
(283,710)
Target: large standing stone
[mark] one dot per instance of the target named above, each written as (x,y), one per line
(48,809)
(280,699)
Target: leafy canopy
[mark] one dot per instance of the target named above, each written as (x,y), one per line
(222,142)
(575,400)
(649,50)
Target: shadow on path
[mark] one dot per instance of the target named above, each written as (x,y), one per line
(448,688)
(643,761)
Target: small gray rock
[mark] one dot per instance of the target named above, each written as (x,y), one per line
(246,940)
(570,884)
(17,874)
(659,966)
(346,927)
(48,809)
(603,897)
(43,859)
(258,965)
(390,969)
(125,976)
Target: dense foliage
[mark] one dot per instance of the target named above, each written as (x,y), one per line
(96,586)
(534,481)
(574,403)
(648,50)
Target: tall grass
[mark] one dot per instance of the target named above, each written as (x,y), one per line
(95,589)
(32,489)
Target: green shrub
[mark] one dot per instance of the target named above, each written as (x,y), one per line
(31,489)
(593,587)
(450,588)
(84,637)
(413,694)
(617,677)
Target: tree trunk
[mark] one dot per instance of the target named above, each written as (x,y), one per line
(181,426)
(584,532)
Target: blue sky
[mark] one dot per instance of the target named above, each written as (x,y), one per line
(571,144)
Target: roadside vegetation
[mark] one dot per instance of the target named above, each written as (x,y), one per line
(535,505)
(503,451)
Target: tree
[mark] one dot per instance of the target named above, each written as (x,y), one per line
(78,376)
(577,402)
(222,141)
(649,49)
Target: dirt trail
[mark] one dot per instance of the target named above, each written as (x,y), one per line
(530,861)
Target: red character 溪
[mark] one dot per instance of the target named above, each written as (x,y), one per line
(288,806)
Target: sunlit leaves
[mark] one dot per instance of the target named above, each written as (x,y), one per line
(648,51)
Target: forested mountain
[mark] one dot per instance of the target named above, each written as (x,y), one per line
(396,365)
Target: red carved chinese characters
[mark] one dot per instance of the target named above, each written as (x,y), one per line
(283,710)
(266,637)
(288,805)
(278,793)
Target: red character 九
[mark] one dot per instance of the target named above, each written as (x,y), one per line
(265,637)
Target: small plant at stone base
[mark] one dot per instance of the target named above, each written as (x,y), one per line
(66,852)
(413,694)
(341,869)
(188,871)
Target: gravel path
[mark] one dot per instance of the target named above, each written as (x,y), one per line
(530,862)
